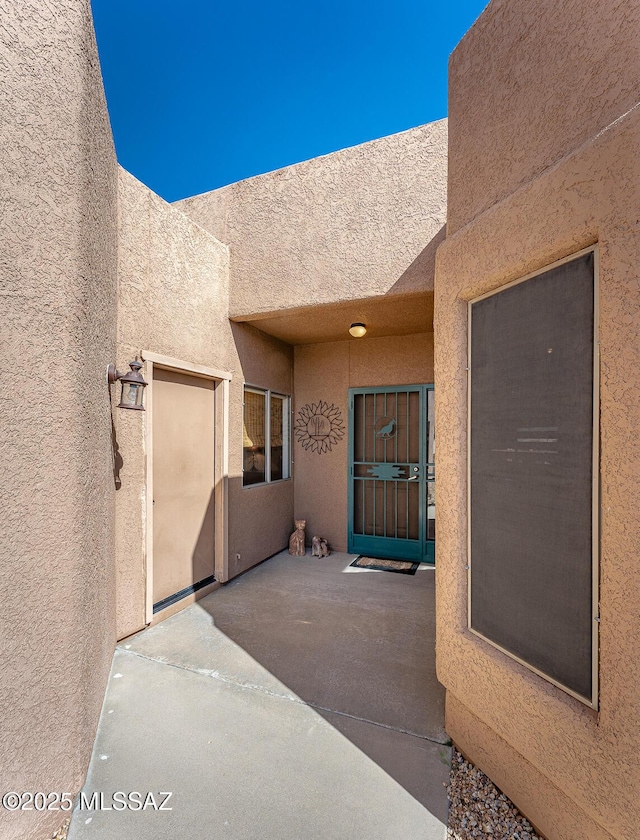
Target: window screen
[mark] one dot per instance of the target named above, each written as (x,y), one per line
(266,455)
(254,459)
(531,479)
(279,432)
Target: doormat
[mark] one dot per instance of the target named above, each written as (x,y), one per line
(403,567)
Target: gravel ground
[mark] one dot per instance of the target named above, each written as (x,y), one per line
(61,833)
(478,809)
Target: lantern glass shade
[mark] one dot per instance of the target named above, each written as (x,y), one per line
(132,393)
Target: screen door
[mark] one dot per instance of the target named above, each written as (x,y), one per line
(392,472)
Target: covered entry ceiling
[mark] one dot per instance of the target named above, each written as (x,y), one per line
(387,315)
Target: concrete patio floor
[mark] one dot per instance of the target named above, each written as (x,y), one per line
(298,701)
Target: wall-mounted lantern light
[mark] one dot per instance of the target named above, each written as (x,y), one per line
(133,385)
(357,330)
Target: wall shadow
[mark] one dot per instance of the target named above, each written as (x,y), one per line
(204,550)
(419,276)
(358,648)
(117,460)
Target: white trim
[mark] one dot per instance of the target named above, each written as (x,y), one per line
(595,470)
(188,367)
(148,442)
(591,248)
(595,489)
(222,482)
(468,511)
(221,464)
(534,670)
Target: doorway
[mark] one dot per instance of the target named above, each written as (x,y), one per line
(392,472)
(183,485)
(187,458)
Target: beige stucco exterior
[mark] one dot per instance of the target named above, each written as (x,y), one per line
(326,372)
(58,291)
(257,283)
(359,223)
(173,301)
(260,517)
(573,771)
(173,281)
(314,247)
(529,83)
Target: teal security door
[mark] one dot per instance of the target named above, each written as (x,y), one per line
(392,472)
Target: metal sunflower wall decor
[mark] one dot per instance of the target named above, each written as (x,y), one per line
(319,426)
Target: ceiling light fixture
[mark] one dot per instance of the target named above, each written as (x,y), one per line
(357,330)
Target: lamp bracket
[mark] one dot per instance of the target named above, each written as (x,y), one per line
(112,374)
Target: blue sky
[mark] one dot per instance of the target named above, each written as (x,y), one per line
(202,93)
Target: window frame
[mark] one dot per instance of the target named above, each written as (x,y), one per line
(268,393)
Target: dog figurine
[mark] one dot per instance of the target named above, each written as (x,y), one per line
(319,547)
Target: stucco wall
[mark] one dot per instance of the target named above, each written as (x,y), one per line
(528,84)
(360,222)
(173,300)
(58,290)
(326,372)
(261,516)
(574,772)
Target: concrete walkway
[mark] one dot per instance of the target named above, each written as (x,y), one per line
(298,702)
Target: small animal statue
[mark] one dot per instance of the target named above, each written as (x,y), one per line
(319,547)
(296,540)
